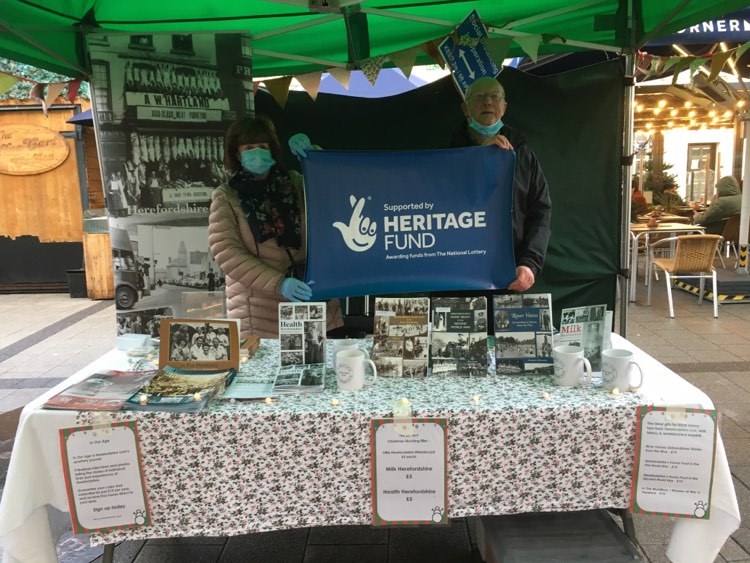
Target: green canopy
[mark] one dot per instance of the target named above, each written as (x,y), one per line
(289,37)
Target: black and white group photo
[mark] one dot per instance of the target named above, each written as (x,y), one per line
(147,321)
(199,341)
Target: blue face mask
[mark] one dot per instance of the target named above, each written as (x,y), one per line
(257,161)
(486,130)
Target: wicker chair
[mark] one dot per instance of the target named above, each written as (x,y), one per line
(693,258)
(731,236)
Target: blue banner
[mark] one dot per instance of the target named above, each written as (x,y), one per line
(402,222)
(732,28)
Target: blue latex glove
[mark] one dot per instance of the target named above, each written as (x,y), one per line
(299,144)
(295,290)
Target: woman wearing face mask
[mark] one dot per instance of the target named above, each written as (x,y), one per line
(256,230)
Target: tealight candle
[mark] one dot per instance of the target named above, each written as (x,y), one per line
(615,391)
(405,401)
(545,395)
(335,402)
(149,356)
(143,399)
(269,400)
(244,359)
(197,396)
(475,398)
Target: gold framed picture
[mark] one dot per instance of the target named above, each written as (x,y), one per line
(205,344)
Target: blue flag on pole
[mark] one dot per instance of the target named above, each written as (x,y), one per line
(402,222)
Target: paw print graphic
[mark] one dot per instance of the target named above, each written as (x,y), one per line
(437,515)
(700,509)
(140,517)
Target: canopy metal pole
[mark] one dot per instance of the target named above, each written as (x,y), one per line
(624,279)
(745,209)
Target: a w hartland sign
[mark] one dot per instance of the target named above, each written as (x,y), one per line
(395,222)
(733,28)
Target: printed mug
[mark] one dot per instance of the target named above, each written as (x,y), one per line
(570,365)
(350,369)
(346,344)
(616,364)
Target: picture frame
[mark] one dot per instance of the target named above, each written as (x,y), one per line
(202,344)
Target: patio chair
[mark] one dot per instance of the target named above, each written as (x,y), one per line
(731,235)
(693,258)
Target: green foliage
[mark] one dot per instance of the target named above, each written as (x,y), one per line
(22,89)
(657,180)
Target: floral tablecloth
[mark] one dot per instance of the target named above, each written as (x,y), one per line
(514,445)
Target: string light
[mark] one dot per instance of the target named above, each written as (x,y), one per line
(691,113)
(662,103)
(673,113)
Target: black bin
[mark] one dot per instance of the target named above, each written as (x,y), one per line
(77,283)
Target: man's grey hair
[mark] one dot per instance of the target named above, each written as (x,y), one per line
(483,81)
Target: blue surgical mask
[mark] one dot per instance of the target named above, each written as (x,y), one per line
(486,130)
(257,161)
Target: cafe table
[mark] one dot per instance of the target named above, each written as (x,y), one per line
(515,444)
(642,232)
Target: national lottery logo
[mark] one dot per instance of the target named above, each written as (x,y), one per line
(359,234)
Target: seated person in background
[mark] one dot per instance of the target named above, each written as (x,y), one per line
(727,202)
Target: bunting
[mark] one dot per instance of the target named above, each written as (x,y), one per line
(310,82)
(529,45)
(279,89)
(405,60)
(53,90)
(73,87)
(342,76)
(497,47)
(7,81)
(37,93)
(371,67)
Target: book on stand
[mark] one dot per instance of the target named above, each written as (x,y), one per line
(523,334)
(401,336)
(101,391)
(584,327)
(180,390)
(458,341)
(302,333)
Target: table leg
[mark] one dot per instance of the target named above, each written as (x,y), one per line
(109,553)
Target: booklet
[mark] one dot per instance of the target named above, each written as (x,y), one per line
(584,327)
(308,378)
(458,342)
(302,333)
(101,391)
(523,334)
(401,336)
(180,390)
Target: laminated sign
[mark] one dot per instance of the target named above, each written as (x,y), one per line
(396,222)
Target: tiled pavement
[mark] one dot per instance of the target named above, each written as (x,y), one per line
(713,354)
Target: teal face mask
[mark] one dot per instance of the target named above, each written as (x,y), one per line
(257,161)
(486,130)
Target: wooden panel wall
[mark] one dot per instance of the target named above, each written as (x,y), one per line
(47,205)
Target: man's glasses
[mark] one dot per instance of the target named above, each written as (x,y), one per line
(493,97)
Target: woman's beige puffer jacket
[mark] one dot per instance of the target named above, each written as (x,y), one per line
(253,271)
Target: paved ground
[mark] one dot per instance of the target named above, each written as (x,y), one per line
(68,333)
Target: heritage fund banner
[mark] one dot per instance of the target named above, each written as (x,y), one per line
(397,222)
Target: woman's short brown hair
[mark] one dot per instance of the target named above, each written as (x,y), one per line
(249,130)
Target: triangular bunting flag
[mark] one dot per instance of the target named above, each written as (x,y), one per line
(371,67)
(37,93)
(7,81)
(73,87)
(530,45)
(404,60)
(279,89)
(497,47)
(341,75)
(310,82)
(430,47)
(53,90)
(717,63)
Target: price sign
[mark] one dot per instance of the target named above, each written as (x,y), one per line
(409,471)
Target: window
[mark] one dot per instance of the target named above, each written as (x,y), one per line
(182,44)
(143,42)
(245,49)
(102,88)
(701,171)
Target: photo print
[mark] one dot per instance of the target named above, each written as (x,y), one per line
(401,327)
(523,333)
(147,321)
(199,344)
(302,333)
(462,340)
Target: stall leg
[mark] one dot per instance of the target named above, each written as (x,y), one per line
(109,553)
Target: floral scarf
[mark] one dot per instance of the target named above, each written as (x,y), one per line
(271,206)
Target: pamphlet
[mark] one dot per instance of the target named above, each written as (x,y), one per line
(523,334)
(400,347)
(584,327)
(179,390)
(458,342)
(308,378)
(409,471)
(103,477)
(674,461)
(302,333)
(101,391)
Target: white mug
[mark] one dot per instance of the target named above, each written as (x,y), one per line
(350,369)
(346,344)
(616,364)
(570,365)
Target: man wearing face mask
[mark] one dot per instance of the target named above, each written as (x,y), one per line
(484,108)
(256,230)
